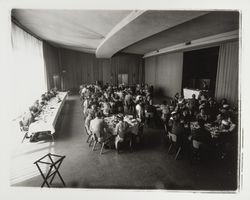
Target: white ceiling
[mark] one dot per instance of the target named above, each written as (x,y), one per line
(106,32)
(142,26)
(213,23)
(75,29)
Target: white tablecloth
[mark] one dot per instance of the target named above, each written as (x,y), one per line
(189,92)
(48,118)
(133,124)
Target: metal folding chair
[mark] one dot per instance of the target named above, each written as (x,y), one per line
(54,164)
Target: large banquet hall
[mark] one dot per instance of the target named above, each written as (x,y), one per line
(125,99)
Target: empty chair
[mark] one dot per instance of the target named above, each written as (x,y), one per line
(174,143)
(24,130)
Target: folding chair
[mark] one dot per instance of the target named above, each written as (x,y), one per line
(54,164)
(102,143)
(88,134)
(24,130)
(174,143)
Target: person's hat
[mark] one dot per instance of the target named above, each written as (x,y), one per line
(225,106)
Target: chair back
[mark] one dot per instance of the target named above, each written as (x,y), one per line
(172,137)
(21,126)
(88,132)
(196,144)
(149,114)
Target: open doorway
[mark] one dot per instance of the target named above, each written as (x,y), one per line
(200,69)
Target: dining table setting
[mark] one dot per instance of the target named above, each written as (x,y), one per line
(112,121)
(46,120)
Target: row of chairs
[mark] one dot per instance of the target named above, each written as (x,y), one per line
(93,140)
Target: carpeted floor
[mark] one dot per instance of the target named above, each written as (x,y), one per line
(147,167)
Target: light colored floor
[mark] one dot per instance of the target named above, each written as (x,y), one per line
(148,167)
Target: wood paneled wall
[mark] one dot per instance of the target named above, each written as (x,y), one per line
(164,72)
(86,68)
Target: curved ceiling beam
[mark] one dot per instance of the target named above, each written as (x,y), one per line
(139,25)
(103,50)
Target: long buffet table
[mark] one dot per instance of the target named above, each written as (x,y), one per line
(46,122)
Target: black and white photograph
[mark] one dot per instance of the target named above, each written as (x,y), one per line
(124,99)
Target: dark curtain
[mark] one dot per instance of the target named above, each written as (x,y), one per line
(227,73)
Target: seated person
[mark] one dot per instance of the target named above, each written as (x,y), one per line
(165,111)
(38,106)
(227,126)
(34,111)
(201,134)
(86,103)
(202,115)
(223,115)
(176,127)
(119,108)
(138,98)
(176,98)
(193,105)
(212,109)
(149,108)
(97,127)
(27,119)
(185,118)
(44,98)
(181,100)
(139,111)
(121,130)
(92,109)
(106,107)
(128,100)
(223,102)
(87,122)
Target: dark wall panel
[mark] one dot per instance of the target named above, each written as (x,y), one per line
(52,65)
(164,72)
(86,68)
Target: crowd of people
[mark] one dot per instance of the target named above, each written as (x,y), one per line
(176,114)
(99,102)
